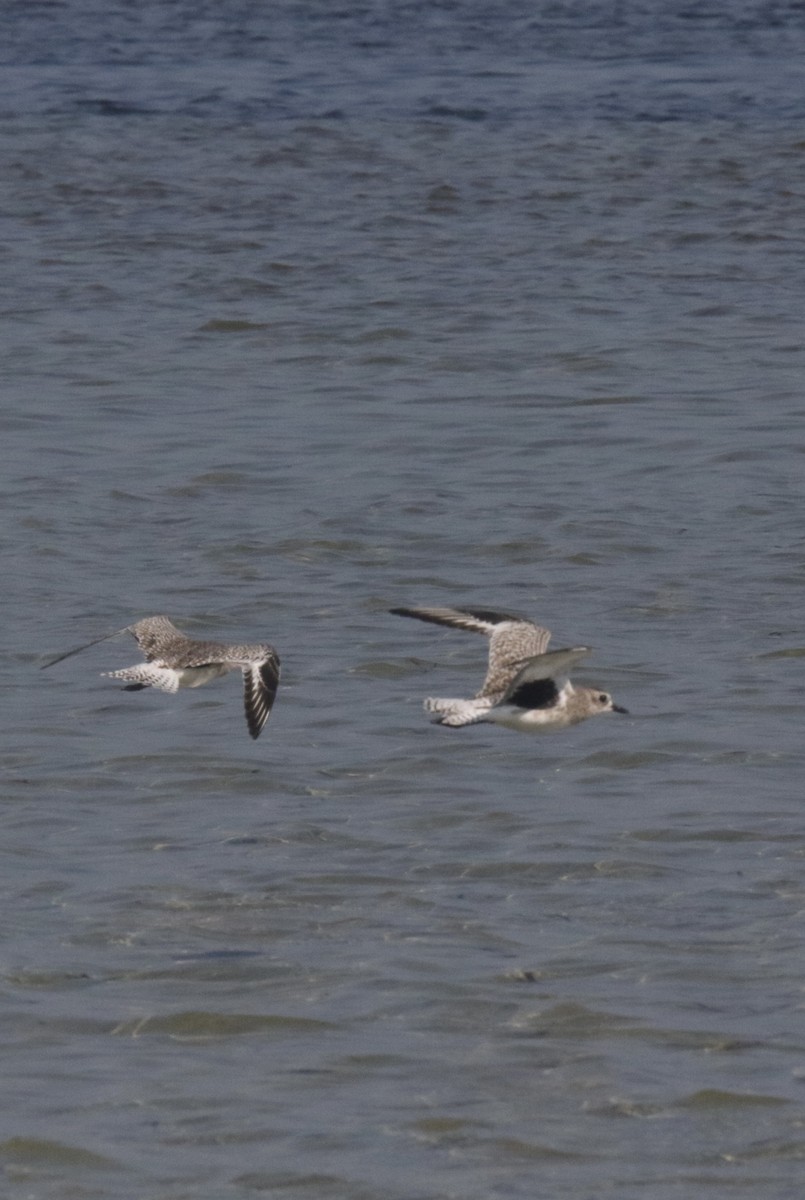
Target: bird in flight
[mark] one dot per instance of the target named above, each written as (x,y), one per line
(173,661)
(526,686)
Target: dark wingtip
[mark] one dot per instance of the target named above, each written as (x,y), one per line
(259,698)
(255,727)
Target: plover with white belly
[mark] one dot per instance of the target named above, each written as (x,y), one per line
(173,661)
(525,688)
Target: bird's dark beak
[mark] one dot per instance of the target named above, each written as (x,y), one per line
(617,708)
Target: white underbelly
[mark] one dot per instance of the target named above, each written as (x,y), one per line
(190,677)
(537,720)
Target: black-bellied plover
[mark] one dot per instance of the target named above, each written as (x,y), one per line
(525,688)
(174,661)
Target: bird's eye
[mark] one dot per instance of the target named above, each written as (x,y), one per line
(603,698)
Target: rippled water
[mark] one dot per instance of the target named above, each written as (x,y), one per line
(308,313)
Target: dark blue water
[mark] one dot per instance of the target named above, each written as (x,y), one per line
(312,312)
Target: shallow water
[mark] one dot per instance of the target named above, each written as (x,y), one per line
(311,313)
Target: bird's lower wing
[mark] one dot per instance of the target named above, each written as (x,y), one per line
(260,683)
(545,666)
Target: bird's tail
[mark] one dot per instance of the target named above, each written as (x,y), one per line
(456,713)
(147,675)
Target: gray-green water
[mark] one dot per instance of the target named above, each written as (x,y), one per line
(307,314)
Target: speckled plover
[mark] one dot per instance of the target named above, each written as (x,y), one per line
(525,688)
(174,661)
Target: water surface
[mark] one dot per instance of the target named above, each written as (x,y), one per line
(309,313)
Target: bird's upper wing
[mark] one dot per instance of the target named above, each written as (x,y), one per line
(474,620)
(511,644)
(511,640)
(157,636)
